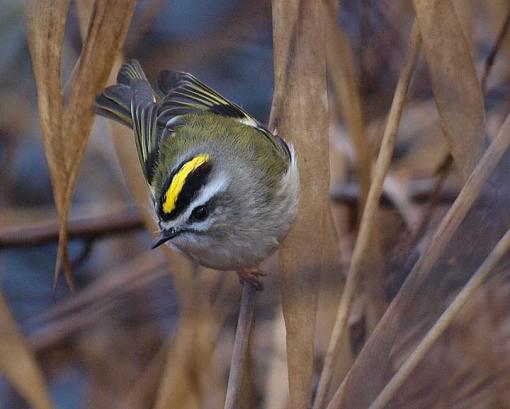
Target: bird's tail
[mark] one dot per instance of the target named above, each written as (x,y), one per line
(115,101)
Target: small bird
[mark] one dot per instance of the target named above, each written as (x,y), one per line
(225,190)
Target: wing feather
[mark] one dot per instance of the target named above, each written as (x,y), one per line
(185,94)
(144,112)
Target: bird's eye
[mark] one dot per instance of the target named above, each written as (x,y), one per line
(199,214)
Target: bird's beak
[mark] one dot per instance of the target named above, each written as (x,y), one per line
(164,236)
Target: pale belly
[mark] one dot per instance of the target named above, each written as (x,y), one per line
(227,255)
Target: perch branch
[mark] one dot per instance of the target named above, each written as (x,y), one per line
(237,364)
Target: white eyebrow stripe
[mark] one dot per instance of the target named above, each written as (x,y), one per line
(208,191)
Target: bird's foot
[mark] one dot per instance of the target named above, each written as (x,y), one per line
(251,276)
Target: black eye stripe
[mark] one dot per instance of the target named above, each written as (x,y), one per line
(194,182)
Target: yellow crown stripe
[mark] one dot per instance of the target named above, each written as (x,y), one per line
(179,179)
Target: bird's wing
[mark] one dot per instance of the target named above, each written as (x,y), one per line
(131,70)
(115,101)
(132,102)
(185,94)
(144,113)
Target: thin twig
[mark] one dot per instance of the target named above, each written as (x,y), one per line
(489,62)
(237,364)
(85,228)
(446,318)
(369,215)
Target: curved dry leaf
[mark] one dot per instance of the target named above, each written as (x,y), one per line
(45,25)
(66,128)
(108,27)
(300,114)
(455,84)
(18,363)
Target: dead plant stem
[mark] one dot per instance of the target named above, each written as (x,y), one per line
(84,228)
(239,354)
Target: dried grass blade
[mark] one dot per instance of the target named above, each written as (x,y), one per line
(455,84)
(45,25)
(300,114)
(364,380)
(177,386)
(66,129)
(276,382)
(183,355)
(490,263)
(18,362)
(369,215)
(107,29)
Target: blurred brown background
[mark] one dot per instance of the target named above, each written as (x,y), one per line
(105,345)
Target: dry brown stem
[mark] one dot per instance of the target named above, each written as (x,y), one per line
(83,228)
(239,354)
(300,115)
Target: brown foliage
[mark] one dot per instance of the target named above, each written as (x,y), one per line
(66,125)
(445,329)
(300,114)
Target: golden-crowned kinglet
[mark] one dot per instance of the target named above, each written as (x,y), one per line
(224,189)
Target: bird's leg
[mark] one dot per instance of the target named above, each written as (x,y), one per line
(252,276)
